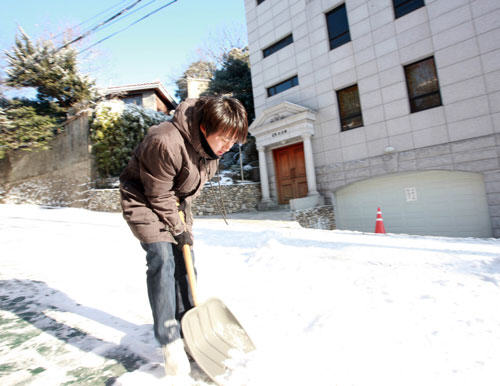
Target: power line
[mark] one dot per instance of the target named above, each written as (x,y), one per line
(128,26)
(128,14)
(101,13)
(93,17)
(100,25)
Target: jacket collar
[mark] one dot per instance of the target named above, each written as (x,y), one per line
(187,118)
(206,146)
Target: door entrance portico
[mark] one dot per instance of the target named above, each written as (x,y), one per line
(280,126)
(290,168)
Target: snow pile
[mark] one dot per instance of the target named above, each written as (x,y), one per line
(109,109)
(225,177)
(322,307)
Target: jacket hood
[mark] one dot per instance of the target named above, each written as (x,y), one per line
(187,119)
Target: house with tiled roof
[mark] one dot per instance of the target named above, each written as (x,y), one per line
(152,96)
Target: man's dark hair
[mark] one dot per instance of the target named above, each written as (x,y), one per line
(224,115)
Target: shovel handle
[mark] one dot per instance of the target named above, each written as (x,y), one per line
(188,260)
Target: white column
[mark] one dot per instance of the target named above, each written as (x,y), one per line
(264,180)
(310,173)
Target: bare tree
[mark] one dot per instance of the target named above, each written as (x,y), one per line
(211,54)
(221,41)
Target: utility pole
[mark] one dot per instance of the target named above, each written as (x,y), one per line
(241,164)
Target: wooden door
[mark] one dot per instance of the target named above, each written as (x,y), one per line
(290,172)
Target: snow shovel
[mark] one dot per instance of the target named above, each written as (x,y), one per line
(211,332)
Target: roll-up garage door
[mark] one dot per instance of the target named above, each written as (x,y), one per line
(440,203)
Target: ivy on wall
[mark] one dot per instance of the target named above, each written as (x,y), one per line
(116,129)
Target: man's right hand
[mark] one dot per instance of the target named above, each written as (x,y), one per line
(183,239)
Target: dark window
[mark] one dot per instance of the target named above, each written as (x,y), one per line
(277,46)
(133,99)
(349,108)
(285,85)
(423,85)
(259,1)
(338,27)
(402,7)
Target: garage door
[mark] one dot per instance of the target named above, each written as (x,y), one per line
(437,203)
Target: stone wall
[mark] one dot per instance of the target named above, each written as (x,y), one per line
(60,176)
(63,187)
(104,200)
(237,198)
(321,217)
(480,155)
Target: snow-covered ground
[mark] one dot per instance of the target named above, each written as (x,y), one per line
(323,307)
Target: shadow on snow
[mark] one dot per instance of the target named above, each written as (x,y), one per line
(37,298)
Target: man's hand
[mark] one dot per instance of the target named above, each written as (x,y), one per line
(182,206)
(183,239)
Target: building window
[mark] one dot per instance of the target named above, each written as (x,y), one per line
(423,85)
(277,46)
(282,86)
(349,108)
(133,99)
(259,1)
(402,7)
(338,27)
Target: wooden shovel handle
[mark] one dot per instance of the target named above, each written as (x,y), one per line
(188,260)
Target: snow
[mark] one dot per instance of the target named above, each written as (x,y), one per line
(112,108)
(109,110)
(225,177)
(322,307)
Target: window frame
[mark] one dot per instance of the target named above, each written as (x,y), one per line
(396,8)
(411,99)
(331,40)
(343,120)
(275,47)
(294,80)
(133,98)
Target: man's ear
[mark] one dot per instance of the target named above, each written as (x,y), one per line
(202,128)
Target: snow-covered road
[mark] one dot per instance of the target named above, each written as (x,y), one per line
(323,307)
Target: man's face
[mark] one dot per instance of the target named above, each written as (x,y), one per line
(218,142)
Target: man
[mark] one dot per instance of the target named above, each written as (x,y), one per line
(169,168)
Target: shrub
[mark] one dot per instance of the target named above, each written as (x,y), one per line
(116,129)
(22,127)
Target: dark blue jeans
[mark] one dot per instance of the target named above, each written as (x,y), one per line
(168,289)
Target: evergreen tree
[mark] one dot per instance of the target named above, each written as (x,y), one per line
(31,124)
(21,127)
(234,78)
(52,72)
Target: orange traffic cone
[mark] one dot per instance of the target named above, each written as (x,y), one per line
(379,223)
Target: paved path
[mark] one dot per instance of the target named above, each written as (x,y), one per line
(274,215)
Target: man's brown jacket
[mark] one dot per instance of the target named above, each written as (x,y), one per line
(170,165)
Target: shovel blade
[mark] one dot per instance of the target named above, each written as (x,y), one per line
(211,332)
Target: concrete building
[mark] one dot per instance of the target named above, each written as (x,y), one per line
(152,96)
(390,103)
(195,86)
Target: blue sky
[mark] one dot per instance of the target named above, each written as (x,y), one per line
(158,48)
